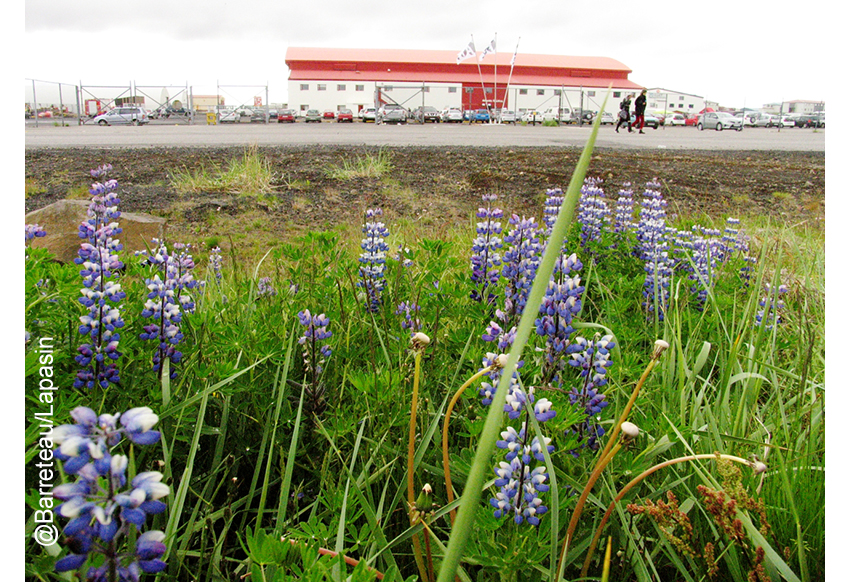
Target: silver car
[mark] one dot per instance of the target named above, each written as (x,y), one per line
(123,116)
(719,120)
(451,115)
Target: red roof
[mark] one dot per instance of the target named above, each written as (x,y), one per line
(404,65)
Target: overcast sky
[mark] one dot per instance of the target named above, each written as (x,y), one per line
(727,51)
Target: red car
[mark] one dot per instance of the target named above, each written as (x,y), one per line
(344,115)
(328,114)
(286,116)
(692,120)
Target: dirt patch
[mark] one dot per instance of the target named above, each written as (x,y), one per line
(436,187)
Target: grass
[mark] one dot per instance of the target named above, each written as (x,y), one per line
(254,450)
(365,166)
(250,175)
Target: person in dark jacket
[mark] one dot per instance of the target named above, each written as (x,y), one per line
(640,111)
(625,105)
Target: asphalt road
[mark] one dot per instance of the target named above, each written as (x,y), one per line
(369,134)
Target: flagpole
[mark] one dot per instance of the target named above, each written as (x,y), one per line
(511,73)
(495,84)
(481,78)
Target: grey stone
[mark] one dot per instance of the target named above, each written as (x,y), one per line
(61,221)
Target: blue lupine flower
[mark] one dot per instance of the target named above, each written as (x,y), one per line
(100,507)
(215,263)
(592,359)
(100,295)
(771,304)
(373,258)
(168,299)
(485,249)
(654,249)
(520,485)
(316,351)
(33,231)
(519,266)
(624,210)
(265,287)
(551,207)
(592,212)
(410,311)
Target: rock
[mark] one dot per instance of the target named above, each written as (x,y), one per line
(61,221)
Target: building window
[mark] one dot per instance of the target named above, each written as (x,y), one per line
(305,87)
(426,89)
(452,89)
(557,93)
(321,87)
(591,93)
(488,90)
(388,88)
(359,87)
(681,97)
(616,94)
(691,106)
(523,91)
(305,107)
(340,87)
(540,91)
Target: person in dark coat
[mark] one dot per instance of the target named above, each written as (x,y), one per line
(640,111)
(625,105)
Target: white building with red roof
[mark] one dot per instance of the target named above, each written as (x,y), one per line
(329,78)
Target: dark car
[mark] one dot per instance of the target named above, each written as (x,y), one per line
(272,114)
(426,114)
(809,120)
(286,116)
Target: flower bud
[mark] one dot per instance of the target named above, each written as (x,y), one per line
(420,339)
(629,430)
(501,361)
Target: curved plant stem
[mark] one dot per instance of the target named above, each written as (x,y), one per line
(604,458)
(637,480)
(446,471)
(348,560)
(411,452)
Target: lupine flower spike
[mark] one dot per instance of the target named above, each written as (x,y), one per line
(373,258)
(486,250)
(101,294)
(101,507)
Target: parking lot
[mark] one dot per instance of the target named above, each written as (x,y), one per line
(47,135)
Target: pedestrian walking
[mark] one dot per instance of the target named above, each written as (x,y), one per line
(640,111)
(625,106)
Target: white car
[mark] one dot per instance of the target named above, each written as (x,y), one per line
(719,120)
(367,114)
(123,116)
(786,121)
(451,115)
(675,119)
(531,117)
(767,120)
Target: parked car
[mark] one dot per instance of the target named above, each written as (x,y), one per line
(692,120)
(506,116)
(607,119)
(328,114)
(582,116)
(122,116)
(649,120)
(258,116)
(532,117)
(426,114)
(747,119)
(312,115)
(272,115)
(481,115)
(344,115)
(451,115)
(391,113)
(675,119)
(367,114)
(786,121)
(286,116)
(766,120)
(565,115)
(810,120)
(719,120)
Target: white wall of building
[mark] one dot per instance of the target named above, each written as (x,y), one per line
(659,100)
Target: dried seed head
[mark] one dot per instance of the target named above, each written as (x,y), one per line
(660,346)
(629,430)
(501,361)
(420,340)
(758,467)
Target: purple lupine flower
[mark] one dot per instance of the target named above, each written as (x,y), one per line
(551,207)
(101,171)
(737,242)
(101,294)
(485,250)
(316,351)
(519,266)
(373,258)
(519,484)
(410,322)
(592,212)
(215,263)
(654,249)
(771,304)
(33,231)
(265,287)
(592,359)
(561,303)
(168,299)
(100,507)
(624,210)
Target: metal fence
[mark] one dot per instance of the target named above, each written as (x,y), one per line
(58,103)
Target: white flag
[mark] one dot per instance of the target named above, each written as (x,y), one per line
(467,53)
(513,58)
(491,48)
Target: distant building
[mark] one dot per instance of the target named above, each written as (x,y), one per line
(659,100)
(204,103)
(327,78)
(801,106)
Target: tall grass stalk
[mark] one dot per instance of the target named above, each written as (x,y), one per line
(489,434)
